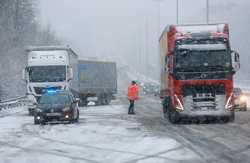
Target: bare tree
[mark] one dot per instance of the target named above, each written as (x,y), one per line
(18,28)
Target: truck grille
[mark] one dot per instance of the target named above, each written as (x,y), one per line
(209,90)
(42,90)
(202,75)
(203,97)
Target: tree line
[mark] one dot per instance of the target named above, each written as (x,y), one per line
(19,28)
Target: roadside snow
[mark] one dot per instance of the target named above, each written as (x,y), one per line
(104,134)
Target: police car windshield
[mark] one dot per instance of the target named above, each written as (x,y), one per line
(55,99)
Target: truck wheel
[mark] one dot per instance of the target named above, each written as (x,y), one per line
(165,107)
(108,101)
(165,112)
(104,101)
(165,115)
(173,115)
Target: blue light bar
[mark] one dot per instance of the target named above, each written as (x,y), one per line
(51,91)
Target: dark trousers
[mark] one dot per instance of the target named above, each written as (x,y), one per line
(131,107)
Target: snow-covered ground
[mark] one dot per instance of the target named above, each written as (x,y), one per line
(104,134)
(108,134)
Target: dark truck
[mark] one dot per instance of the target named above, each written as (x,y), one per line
(97,82)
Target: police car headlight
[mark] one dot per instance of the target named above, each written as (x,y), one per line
(66,109)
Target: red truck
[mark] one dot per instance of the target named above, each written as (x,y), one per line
(197,68)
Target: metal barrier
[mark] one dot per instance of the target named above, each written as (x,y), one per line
(11,103)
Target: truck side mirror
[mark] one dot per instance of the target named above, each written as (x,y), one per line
(70,73)
(236,60)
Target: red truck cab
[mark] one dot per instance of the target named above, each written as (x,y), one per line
(197,68)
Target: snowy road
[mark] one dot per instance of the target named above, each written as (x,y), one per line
(108,134)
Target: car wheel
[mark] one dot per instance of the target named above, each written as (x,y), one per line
(36,122)
(43,123)
(77,117)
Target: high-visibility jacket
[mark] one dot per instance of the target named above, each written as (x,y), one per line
(133,91)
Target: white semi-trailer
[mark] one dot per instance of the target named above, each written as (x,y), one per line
(50,67)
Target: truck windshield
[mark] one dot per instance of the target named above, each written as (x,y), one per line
(199,57)
(47,73)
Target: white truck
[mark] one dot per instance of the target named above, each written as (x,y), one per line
(49,67)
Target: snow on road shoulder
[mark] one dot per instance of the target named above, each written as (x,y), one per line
(104,134)
(10,111)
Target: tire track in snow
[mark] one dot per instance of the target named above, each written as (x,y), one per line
(198,143)
(84,146)
(157,154)
(28,149)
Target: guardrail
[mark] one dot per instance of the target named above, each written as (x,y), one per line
(11,103)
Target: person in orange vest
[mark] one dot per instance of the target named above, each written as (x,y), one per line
(133,91)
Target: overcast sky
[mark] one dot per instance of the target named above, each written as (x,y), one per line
(126,31)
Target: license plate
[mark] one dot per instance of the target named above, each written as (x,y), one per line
(53,114)
(204,108)
(92,99)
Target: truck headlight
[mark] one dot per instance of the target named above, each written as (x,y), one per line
(243,98)
(179,105)
(66,109)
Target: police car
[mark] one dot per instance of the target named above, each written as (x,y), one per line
(56,106)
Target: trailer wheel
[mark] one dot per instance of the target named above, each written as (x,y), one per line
(83,102)
(108,101)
